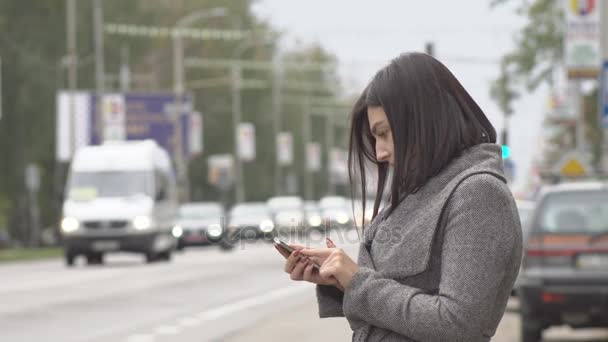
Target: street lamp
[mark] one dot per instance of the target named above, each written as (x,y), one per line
(236,112)
(178,72)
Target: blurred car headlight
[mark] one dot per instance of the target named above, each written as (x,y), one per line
(177,231)
(142,222)
(342,218)
(69,225)
(215,230)
(315,220)
(266,226)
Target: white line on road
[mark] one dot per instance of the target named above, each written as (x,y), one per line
(221,311)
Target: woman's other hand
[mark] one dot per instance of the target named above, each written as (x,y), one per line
(300,267)
(335,263)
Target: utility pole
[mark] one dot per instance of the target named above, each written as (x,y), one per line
(329,140)
(307,135)
(277,72)
(236,120)
(179,89)
(72,61)
(0,88)
(125,71)
(99,67)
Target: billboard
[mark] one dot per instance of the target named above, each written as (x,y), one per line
(128,116)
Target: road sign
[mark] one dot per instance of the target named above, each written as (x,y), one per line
(582,43)
(573,164)
(246,141)
(313,157)
(32,177)
(285,148)
(196,133)
(221,170)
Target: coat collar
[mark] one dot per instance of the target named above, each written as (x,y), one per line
(417,216)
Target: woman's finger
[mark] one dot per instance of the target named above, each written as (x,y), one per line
(298,271)
(323,253)
(292,260)
(329,243)
(308,273)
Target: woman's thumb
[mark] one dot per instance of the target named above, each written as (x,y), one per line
(330,244)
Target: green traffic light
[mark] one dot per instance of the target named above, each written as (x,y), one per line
(506,152)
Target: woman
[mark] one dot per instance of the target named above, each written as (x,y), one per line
(438,263)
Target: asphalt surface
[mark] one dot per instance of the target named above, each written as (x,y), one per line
(203,294)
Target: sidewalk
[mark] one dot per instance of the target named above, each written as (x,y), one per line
(300,323)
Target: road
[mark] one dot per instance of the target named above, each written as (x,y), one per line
(201,295)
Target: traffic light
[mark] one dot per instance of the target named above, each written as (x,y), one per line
(506,151)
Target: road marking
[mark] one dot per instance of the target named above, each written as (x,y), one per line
(228,309)
(167,330)
(189,322)
(140,338)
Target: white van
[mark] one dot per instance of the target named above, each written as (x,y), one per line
(120,196)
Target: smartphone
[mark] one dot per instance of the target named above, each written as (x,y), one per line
(288,248)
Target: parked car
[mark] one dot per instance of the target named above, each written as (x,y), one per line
(201,223)
(312,213)
(564,276)
(336,211)
(250,220)
(287,213)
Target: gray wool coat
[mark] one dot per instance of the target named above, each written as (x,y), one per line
(442,265)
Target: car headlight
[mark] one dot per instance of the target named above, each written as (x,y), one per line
(266,226)
(177,231)
(342,218)
(315,220)
(142,222)
(69,224)
(214,230)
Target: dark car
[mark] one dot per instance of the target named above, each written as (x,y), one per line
(201,223)
(564,276)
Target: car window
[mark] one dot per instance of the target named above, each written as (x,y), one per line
(575,212)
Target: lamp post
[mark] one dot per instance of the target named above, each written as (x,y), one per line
(179,89)
(236,112)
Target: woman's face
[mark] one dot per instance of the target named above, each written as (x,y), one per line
(381,130)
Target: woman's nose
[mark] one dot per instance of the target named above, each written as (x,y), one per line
(382,155)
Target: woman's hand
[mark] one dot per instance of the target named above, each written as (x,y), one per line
(300,267)
(335,263)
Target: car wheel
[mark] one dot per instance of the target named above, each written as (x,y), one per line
(69,258)
(95,259)
(165,256)
(531,329)
(226,245)
(151,257)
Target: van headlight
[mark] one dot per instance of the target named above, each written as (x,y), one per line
(315,220)
(177,231)
(214,230)
(69,225)
(342,218)
(142,222)
(266,226)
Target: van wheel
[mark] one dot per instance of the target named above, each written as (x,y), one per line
(95,259)
(531,329)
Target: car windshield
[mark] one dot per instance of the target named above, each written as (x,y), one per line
(253,209)
(90,185)
(575,212)
(200,212)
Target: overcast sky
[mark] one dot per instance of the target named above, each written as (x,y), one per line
(469,39)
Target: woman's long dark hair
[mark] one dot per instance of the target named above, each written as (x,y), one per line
(432,118)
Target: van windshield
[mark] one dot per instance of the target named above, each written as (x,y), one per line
(90,185)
